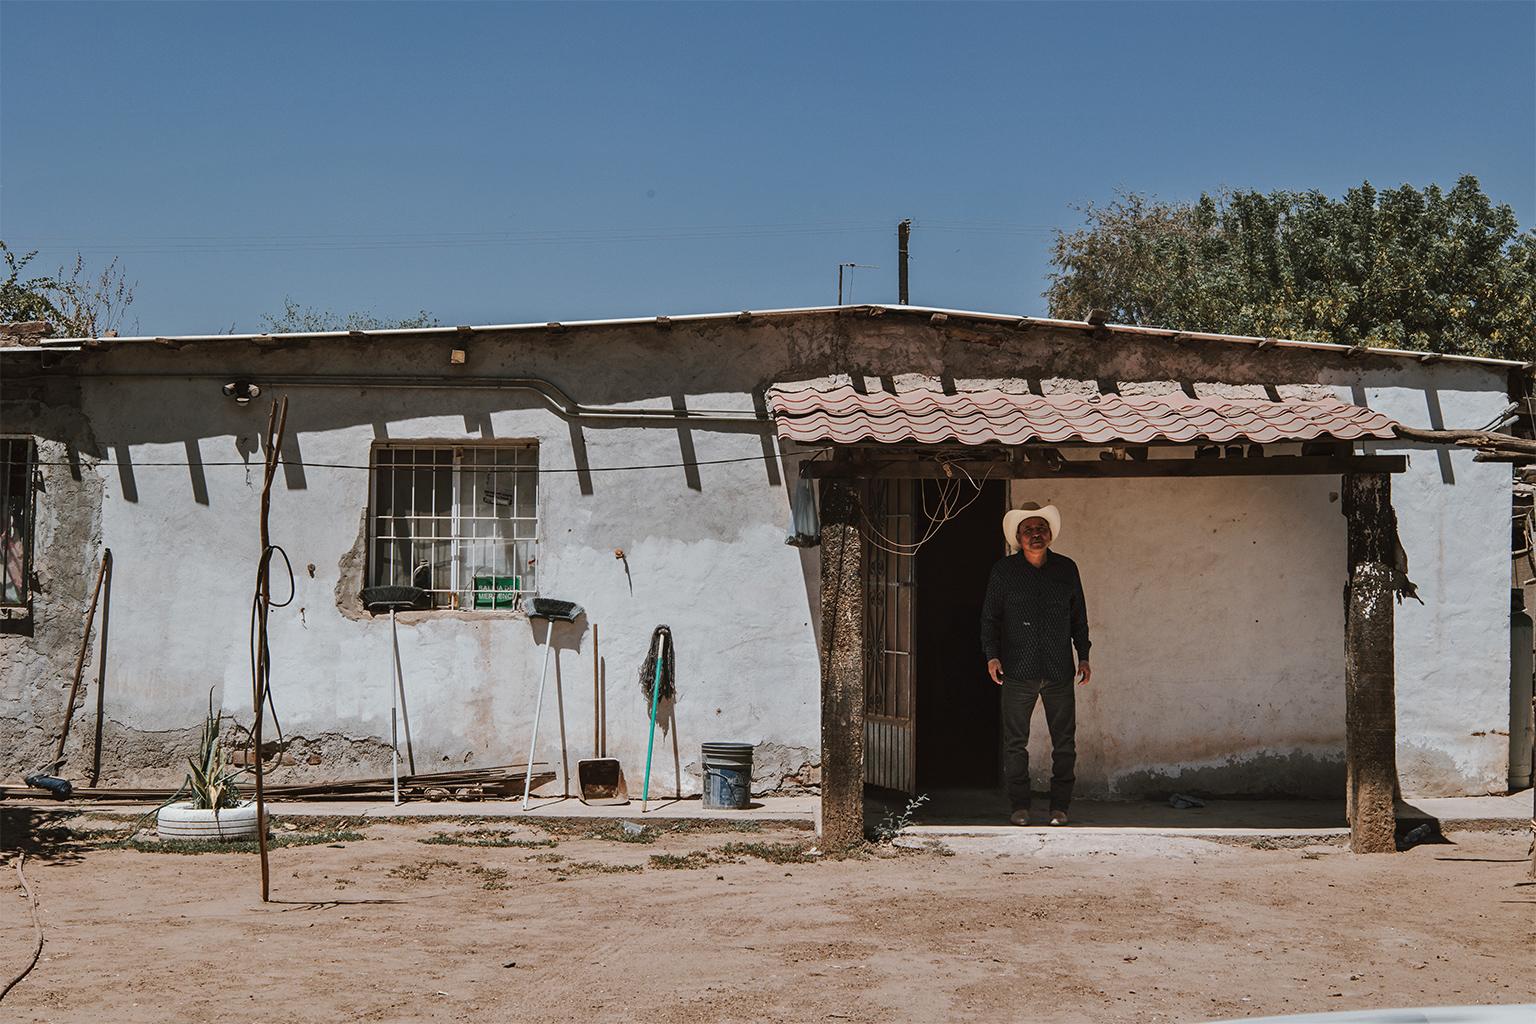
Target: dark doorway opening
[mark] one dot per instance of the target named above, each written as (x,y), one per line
(959,723)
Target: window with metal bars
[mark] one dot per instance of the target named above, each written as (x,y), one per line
(458,521)
(18,470)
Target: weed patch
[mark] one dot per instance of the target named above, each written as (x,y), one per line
(419,871)
(892,824)
(486,837)
(592,867)
(278,842)
(673,861)
(490,878)
(322,822)
(617,832)
(774,853)
(613,829)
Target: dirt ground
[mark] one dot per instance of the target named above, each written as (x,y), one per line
(460,921)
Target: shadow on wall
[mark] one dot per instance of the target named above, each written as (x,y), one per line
(314,411)
(1264,775)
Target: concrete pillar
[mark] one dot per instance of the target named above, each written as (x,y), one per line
(1370,711)
(842,668)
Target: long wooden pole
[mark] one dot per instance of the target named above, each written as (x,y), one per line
(101,666)
(277,419)
(85,644)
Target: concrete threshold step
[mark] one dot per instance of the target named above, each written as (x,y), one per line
(1194,832)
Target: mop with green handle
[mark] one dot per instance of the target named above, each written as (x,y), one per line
(661,647)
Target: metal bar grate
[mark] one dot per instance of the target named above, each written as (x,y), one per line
(458,521)
(889,681)
(17,458)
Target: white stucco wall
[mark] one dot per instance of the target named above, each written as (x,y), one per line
(710,562)
(1217,615)
(1452,650)
(1218,640)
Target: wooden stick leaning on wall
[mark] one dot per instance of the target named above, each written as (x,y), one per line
(277,419)
(101,666)
(85,643)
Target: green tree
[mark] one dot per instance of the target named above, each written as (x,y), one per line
(78,302)
(1425,270)
(20,300)
(296,319)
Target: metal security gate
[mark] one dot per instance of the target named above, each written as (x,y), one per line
(890,747)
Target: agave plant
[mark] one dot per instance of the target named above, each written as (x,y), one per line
(211,782)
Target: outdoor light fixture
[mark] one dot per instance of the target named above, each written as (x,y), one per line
(242,391)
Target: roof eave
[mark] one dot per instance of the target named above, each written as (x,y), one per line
(868,308)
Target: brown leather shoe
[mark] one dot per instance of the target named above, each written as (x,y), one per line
(1020,816)
(1058,817)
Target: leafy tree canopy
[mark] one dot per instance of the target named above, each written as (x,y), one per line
(1426,270)
(297,319)
(77,302)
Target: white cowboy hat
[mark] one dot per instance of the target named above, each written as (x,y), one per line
(1031,510)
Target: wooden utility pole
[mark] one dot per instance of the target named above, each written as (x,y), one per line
(842,668)
(903,236)
(1370,700)
(277,419)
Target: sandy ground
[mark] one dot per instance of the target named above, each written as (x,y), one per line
(573,927)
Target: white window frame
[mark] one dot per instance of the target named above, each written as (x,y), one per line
(510,560)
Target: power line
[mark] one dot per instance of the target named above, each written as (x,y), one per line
(217,244)
(291,243)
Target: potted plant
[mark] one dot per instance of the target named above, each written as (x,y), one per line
(214,810)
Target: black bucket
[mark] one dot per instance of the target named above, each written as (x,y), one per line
(728,776)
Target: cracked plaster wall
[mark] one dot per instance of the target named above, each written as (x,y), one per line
(39,645)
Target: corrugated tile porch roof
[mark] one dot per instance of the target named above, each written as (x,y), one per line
(845,415)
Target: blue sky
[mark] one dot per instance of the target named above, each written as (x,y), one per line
(496,163)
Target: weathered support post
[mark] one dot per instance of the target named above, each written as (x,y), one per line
(1370,710)
(842,668)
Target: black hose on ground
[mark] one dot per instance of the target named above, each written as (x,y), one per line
(59,788)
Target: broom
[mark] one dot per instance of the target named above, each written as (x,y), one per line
(656,681)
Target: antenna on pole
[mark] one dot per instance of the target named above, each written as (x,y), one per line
(849,266)
(903,236)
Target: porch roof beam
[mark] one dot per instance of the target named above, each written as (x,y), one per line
(1019,469)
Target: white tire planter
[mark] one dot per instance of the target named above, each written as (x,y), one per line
(183,821)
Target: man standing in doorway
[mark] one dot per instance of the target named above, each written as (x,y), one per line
(1032,619)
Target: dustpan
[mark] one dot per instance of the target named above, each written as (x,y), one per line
(600,779)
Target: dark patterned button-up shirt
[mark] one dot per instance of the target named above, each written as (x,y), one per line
(1033,618)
